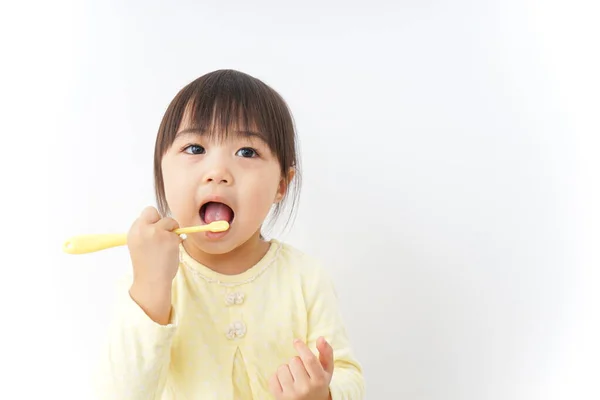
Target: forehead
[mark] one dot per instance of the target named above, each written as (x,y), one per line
(219,129)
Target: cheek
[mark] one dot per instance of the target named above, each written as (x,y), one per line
(176,193)
(260,193)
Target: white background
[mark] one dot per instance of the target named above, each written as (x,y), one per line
(464,134)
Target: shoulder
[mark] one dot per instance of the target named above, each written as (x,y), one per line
(304,266)
(296,259)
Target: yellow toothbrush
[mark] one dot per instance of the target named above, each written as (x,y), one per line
(83,244)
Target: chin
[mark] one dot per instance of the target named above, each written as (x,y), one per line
(216,246)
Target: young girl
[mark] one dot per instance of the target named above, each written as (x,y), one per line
(225,315)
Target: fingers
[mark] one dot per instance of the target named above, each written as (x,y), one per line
(298,371)
(274,385)
(167,224)
(305,376)
(290,378)
(325,354)
(311,363)
(150,215)
(284,375)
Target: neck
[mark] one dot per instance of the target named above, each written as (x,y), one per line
(236,261)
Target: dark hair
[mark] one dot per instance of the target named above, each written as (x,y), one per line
(225,100)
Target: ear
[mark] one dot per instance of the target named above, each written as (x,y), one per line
(284,183)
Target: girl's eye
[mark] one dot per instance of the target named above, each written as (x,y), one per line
(246,152)
(195,149)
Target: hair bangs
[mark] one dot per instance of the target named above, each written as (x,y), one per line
(226,114)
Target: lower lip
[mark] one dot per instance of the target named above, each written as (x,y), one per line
(216,235)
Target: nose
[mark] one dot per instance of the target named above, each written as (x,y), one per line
(218,173)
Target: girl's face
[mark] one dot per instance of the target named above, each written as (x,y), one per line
(206,179)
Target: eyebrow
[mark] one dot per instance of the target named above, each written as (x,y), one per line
(200,132)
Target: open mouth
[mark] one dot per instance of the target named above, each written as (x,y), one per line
(215,211)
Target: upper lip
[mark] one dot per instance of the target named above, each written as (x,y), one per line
(216,199)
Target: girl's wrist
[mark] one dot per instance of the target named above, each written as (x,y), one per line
(154,300)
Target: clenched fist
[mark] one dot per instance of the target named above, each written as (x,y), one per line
(154,252)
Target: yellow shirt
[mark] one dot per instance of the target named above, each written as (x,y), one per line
(228,333)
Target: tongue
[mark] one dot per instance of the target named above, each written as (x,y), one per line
(217,212)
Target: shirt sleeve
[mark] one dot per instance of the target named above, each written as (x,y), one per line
(135,361)
(324,319)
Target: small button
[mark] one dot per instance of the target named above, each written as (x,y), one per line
(236,330)
(234,298)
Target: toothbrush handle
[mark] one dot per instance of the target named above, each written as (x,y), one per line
(90,243)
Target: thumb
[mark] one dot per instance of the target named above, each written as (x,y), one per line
(325,355)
